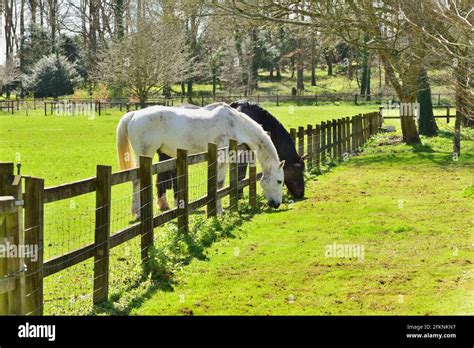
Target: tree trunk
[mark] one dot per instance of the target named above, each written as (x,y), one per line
(9,28)
(367,88)
(142,97)
(167,90)
(426,122)
(251,63)
(278,71)
(118,14)
(292,67)
(407,119)
(190,90)
(464,95)
(457,135)
(53,12)
(407,96)
(363,79)
(380,74)
(313,61)
(214,81)
(33,9)
(329,60)
(93,28)
(41,12)
(464,102)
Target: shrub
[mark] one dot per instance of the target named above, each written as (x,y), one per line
(52,76)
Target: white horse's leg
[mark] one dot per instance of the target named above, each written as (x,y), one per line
(136,199)
(163,202)
(136,205)
(221,173)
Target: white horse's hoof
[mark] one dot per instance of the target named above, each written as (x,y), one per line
(162,204)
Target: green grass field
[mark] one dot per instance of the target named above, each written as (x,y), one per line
(406,206)
(357,203)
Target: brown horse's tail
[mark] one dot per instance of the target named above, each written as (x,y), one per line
(124,150)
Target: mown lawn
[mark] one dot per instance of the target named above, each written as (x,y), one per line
(411,209)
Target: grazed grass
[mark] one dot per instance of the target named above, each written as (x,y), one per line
(404,205)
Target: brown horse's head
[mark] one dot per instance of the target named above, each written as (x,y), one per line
(294,178)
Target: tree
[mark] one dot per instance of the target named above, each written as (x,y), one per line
(426,122)
(52,76)
(387,34)
(446,27)
(146,60)
(9,73)
(36,45)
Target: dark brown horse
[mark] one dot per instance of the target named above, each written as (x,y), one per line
(284,144)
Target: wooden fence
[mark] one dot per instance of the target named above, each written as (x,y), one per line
(447,115)
(202,98)
(77,107)
(22,213)
(9,105)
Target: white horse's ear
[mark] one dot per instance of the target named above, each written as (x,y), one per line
(282,163)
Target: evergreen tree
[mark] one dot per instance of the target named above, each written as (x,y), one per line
(426,122)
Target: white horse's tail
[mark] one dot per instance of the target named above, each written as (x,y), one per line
(124,150)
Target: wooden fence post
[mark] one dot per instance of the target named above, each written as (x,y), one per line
(253,182)
(211,180)
(146,205)
(377,122)
(372,123)
(323,142)
(339,138)
(354,133)
(301,141)
(233,175)
(34,235)
(14,235)
(293,135)
(317,146)
(6,170)
(328,140)
(344,133)
(360,131)
(367,126)
(102,233)
(310,154)
(347,121)
(183,190)
(334,139)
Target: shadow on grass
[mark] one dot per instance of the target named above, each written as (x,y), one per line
(415,155)
(162,276)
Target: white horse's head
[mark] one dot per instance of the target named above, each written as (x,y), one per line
(272,184)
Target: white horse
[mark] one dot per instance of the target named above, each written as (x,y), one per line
(167,129)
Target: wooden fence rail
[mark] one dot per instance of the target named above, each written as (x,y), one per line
(21,291)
